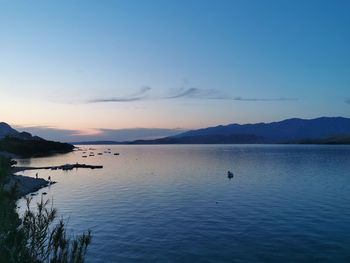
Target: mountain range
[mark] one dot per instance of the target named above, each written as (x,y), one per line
(24,144)
(324,130)
(7,131)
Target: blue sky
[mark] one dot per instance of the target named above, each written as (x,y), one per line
(91,66)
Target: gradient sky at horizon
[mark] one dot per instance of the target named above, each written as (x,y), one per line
(91,65)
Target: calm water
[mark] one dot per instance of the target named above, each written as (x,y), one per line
(176,204)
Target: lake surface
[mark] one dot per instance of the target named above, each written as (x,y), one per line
(176,204)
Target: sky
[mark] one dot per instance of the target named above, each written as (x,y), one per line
(118,70)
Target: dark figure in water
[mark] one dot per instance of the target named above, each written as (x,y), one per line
(36,176)
(229,175)
(50,179)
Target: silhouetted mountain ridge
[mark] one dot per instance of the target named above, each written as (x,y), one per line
(320,130)
(24,144)
(6,130)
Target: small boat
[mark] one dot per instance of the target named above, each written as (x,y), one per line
(84,156)
(229,175)
(99,153)
(116,154)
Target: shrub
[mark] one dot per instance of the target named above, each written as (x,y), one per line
(38,236)
(47,242)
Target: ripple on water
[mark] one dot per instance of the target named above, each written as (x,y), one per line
(176,204)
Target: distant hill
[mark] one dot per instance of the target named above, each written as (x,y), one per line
(324,130)
(6,130)
(24,144)
(345,139)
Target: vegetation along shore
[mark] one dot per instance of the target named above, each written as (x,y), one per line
(37,235)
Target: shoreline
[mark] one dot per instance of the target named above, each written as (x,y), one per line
(25,185)
(29,185)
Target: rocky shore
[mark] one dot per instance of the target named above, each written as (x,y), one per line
(25,184)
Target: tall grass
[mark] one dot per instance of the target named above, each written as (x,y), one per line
(38,236)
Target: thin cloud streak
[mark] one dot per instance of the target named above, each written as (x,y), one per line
(115,100)
(195,93)
(189,93)
(263,99)
(140,95)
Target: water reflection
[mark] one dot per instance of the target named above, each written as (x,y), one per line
(174,203)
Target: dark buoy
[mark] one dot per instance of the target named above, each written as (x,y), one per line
(229,175)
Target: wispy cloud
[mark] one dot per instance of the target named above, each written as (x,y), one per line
(191,92)
(139,95)
(263,99)
(195,93)
(183,93)
(347,101)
